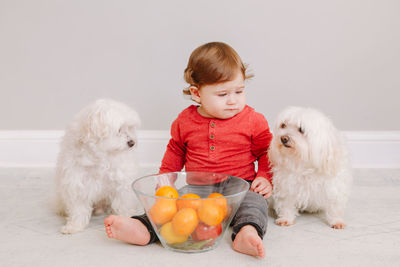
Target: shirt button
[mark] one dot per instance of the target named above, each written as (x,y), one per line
(212,124)
(211,136)
(212,148)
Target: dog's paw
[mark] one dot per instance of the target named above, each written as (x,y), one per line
(339,225)
(284,222)
(70,229)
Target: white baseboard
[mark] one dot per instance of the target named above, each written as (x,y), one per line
(40,148)
(379,149)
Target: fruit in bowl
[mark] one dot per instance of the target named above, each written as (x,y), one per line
(192,213)
(206,232)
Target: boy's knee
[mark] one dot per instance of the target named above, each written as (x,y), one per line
(254,202)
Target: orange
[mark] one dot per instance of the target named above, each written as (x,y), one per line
(185,221)
(170,236)
(163,211)
(167,191)
(188,201)
(210,213)
(220,201)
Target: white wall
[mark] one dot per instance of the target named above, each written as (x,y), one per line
(340,56)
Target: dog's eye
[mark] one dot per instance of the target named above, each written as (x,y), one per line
(283,126)
(301,130)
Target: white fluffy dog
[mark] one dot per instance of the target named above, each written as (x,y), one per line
(310,167)
(96,164)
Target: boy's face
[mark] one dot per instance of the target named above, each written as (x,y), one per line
(221,100)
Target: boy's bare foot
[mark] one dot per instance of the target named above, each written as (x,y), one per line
(247,241)
(126,229)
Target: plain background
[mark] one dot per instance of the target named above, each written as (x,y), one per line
(342,57)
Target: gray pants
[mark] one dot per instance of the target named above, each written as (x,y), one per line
(252,211)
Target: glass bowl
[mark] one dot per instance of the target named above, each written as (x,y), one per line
(191,223)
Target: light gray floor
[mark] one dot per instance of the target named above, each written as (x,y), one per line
(29,232)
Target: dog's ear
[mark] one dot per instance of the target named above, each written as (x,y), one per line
(93,124)
(325,152)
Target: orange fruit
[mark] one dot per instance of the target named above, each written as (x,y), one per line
(210,212)
(220,201)
(163,211)
(188,201)
(167,191)
(170,236)
(185,221)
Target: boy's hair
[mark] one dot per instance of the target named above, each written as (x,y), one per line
(212,63)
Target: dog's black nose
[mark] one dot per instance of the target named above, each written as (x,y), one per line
(284,139)
(131,143)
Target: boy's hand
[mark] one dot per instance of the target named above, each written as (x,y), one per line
(261,186)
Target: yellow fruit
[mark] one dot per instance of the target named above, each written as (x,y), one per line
(185,221)
(163,211)
(170,236)
(167,191)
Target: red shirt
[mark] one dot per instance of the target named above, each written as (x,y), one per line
(230,146)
